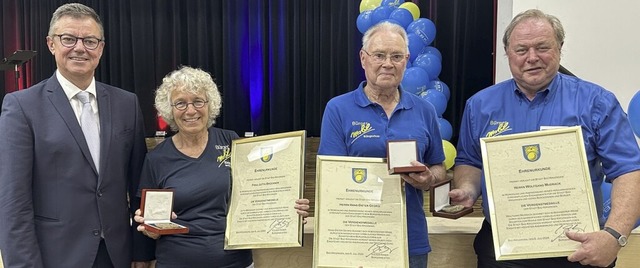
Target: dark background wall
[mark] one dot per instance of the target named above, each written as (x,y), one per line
(277,62)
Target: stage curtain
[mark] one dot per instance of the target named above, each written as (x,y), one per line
(277,62)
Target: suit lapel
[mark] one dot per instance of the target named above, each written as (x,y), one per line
(61,104)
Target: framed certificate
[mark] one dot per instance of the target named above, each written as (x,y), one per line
(267,178)
(538,187)
(156,206)
(360,215)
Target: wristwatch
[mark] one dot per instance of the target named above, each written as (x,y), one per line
(622,240)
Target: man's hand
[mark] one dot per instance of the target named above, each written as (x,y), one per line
(466,185)
(461,197)
(422,180)
(597,249)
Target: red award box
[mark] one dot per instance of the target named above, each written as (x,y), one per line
(156,207)
(439,202)
(400,153)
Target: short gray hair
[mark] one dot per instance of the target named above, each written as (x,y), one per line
(556,25)
(189,80)
(384,26)
(75,10)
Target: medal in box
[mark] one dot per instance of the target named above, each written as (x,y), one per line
(440,203)
(156,207)
(400,153)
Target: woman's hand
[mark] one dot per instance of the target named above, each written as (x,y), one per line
(302,208)
(139,219)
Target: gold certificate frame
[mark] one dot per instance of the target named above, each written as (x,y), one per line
(267,178)
(360,215)
(538,188)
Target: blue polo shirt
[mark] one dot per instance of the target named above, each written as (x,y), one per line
(502,109)
(354,126)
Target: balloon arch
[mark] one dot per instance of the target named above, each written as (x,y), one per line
(425,61)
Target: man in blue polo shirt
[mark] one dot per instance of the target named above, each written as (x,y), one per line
(538,97)
(360,122)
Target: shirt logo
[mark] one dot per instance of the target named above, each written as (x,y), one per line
(225,156)
(531,152)
(365,127)
(359,175)
(502,128)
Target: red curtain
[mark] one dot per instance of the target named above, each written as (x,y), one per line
(13,37)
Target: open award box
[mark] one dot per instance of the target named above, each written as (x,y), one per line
(400,153)
(440,204)
(156,207)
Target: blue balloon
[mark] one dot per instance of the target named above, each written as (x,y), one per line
(424,28)
(440,86)
(432,50)
(430,63)
(634,113)
(392,3)
(606,197)
(415,46)
(403,16)
(380,13)
(446,130)
(409,65)
(415,80)
(364,21)
(436,98)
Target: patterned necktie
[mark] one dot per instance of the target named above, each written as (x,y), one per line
(89,126)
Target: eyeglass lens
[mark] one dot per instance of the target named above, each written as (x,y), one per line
(70,41)
(379,57)
(181,105)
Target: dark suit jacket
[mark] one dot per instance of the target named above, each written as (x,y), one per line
(53,204)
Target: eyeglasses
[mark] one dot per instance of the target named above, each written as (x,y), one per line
(379,57)
(68,40)
(181,105)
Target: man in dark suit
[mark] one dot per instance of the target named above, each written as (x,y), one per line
(64,197)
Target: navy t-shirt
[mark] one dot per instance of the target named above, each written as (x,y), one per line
(201,194)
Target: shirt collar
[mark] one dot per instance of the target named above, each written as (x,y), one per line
(362,100)
(71,90)
(545,93)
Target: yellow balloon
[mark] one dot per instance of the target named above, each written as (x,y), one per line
(369,5)
(413,8)
(449,154)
